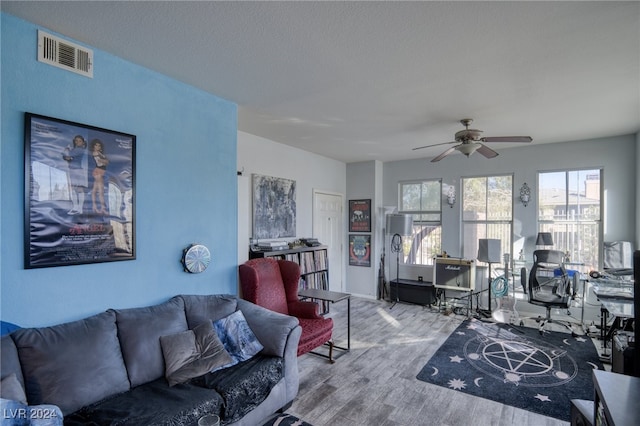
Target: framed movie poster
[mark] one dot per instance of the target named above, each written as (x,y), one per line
(359,250)
(359,215)
(79,193)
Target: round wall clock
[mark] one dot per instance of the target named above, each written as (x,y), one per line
(196,258)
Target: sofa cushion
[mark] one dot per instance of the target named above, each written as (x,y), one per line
(202,308)
(178,350)
(73,364)
(15,413)
(10,362)
(245,385)
(11,388)
(154,403)
(139,330)
(193,353)
(271,328)
(237,337)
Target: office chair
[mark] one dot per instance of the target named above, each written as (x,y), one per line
(550,286)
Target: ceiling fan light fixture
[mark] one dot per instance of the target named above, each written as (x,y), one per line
(468,148)
(470,141)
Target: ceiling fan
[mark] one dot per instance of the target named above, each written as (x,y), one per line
(469,141)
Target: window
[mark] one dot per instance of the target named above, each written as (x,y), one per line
(422,200)
(569,206)
(487,212)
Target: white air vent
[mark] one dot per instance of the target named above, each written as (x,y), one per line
(64,54)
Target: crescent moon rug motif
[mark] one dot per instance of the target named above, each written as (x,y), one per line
(516,366)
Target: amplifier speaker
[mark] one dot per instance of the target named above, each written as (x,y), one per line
(489,250)
(410,291)
(454,274)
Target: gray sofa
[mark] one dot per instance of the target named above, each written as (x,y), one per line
(110,368)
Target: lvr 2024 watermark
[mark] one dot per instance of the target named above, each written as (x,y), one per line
(41,413)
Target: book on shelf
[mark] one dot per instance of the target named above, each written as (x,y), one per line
(307,262)
(321,260)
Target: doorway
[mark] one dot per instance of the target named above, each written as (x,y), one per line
(328,228)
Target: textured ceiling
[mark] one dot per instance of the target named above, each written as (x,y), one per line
(359,81)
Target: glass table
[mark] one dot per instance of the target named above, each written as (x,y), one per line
(616,299)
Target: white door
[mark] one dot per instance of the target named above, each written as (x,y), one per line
(328,229)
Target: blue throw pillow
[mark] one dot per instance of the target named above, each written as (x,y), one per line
(237,337)
(11,388)
(15,413)
(7,327)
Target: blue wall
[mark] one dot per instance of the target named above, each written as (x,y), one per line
(185,189)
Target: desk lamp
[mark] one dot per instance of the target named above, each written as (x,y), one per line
(544,239)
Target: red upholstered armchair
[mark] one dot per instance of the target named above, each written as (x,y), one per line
(273,284)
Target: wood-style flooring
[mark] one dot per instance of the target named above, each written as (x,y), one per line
(375,384)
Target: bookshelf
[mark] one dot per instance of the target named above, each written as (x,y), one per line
(313,261)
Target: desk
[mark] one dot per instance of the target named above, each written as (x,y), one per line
(332,297)
(614,301)
(616,399)
(621,310)
(608,292)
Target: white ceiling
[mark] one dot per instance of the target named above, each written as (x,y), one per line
(359,81)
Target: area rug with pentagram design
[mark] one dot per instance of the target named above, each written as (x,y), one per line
(285,419)
(516,366)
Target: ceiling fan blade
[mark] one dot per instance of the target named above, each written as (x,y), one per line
(507,139)
(444,154)
(486,151)
(438,144)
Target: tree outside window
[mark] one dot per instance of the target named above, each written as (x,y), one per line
(423,201)
(487,212)
(570,206)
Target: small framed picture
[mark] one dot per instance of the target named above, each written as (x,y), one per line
(359,250)
(360,215)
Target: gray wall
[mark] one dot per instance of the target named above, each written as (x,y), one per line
(364,181)
(637,190)
(619,156)
(616,155)
(257,155)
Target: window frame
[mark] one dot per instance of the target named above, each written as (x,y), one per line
(411,246)
(506,246)
(547,225)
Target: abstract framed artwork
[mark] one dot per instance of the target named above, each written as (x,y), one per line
(360,215)
(274,207)
(79,193)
